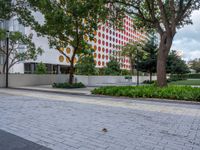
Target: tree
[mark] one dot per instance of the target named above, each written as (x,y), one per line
(86,66)
(195,64)
(130,50)
(148,63)
(112,68)
(21,48)
(69,23)
(175,65)
(41,68)
(164,16)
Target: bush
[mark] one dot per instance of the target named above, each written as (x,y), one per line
(193,76)
(184,77)
(128,77)
(170,92)
(101,71)
(177,77)
(113,68)
(86,66)
(149,82)
(125,72)
(41,68)
(67,85)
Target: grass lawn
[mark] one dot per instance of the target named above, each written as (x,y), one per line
(186,82)
(169,92)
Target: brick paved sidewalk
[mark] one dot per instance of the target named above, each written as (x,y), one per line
(65,122)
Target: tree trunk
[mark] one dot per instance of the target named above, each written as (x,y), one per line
(164,48)
(71,72)
(132,65)
(161,69)
(4,68)
(150,76)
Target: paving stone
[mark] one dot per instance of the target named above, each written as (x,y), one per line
(64,122)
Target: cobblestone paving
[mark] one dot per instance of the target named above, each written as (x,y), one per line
(64,122)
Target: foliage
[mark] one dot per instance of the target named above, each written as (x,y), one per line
(186,76)
(169,92)
(101,71)
(21,48)
(163,16)
(6,9)
(175,65)
(113,68)
(68,85)
(193,76)
(195,64)
(86,66)
(149,82)
(128,77)
(125,72)
(186,82)
(133,50)
(41,68)
(176,77)
(148,63)
(69,23)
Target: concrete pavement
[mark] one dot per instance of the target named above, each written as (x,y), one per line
(64,122)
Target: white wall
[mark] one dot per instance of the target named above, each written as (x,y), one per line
(19,80)
(2,81)
(100,80)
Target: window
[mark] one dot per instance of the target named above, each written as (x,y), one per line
(2,59)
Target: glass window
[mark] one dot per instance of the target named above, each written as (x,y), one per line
(1,59)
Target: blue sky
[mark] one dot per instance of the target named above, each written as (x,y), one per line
(187,38)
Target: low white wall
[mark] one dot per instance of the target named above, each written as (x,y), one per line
(98,80)
(2,80)
(19,80)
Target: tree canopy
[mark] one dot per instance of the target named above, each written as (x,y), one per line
(69,23)
(163,16)
(86,66)
(21,48)
(175,65)
(133,51)
(112,68)
(148,63)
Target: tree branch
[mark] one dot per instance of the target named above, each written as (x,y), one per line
(164,15)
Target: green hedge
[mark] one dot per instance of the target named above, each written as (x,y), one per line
(193,76)
(67,85)
(184,76)
(149,82)
(170,92)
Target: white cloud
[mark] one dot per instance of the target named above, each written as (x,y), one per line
(187,39)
